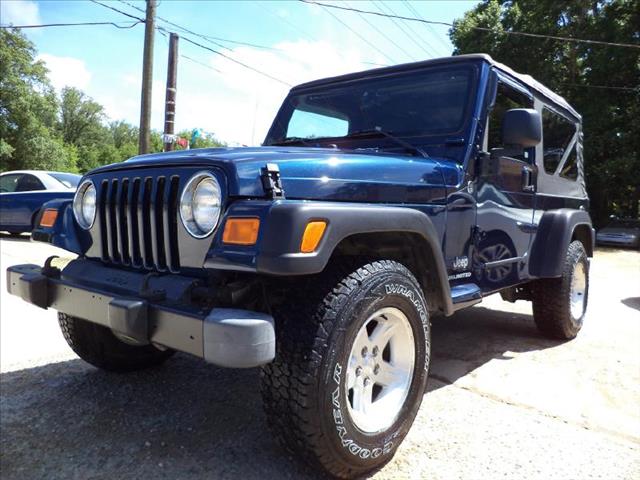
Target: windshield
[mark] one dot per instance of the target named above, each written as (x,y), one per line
(69,180)
(432,101)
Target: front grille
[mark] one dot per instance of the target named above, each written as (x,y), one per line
(138,222)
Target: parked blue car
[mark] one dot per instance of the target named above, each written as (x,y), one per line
(22,194)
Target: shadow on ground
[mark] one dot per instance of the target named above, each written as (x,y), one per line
(473,337)
(188,419)
(15,237)
(632,302)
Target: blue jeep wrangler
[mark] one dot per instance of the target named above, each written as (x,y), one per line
(377,200)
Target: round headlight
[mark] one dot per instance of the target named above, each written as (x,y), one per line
(200,204)
(84,204)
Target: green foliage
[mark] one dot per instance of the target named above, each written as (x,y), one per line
(40,131)
(201,141)
(27,100)
(610,117)
(81,119)
(45,153)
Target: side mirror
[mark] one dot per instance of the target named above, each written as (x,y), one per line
(521,127)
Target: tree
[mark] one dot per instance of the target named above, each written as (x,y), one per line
(577,71)
(27,104)
(80,118)
(200,139)
(37,131)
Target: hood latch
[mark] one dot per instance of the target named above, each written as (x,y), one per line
(271,183)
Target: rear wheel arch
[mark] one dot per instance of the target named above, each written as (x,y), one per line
(556,230)
(583,233)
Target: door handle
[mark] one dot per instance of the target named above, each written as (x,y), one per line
(527,180)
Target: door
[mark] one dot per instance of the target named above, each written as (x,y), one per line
(17,201)
(505,189)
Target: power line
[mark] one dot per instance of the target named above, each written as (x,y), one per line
(168,22)
(121,25)
(220,39)
(200,63)
(204,37)
(186,57)
(484,29)
(385,35)
(117,10)
(198,44)
(382,5)
(304,33)
(422,43)
(431,29)
(187,39)
(355,33)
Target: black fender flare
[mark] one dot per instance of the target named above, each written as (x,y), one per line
(554,233)
(279,252)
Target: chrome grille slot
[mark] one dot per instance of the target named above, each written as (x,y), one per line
(138,222)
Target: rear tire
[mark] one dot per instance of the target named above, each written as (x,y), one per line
(319,405)
(559,304)
(98,346)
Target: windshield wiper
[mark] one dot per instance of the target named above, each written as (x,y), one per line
(377,131)
(292,140)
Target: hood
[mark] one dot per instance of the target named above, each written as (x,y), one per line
(318,173)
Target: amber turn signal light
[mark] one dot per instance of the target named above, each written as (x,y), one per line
(312,235)
(241,231)
(49,217)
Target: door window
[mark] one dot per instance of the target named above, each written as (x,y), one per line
(28,183)
(557,138)
(507,98)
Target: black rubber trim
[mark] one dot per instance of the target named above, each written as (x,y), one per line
(555,232)
(280,245)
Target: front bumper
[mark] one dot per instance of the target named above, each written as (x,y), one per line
(618,241)
(148,309)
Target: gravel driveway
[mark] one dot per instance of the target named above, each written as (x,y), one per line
(502,401)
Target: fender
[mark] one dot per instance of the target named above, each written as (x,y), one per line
(279,252)
(555,231)
(64,233)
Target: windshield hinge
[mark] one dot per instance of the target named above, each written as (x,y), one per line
(271,183)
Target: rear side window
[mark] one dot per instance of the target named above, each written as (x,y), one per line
(8,183)
(557,137)
(570,168)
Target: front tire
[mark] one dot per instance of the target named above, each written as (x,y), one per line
(559,304)
(98,346)
(351,367)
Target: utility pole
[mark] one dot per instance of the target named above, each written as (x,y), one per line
(170,97)
(147,78)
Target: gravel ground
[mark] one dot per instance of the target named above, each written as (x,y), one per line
(502,401)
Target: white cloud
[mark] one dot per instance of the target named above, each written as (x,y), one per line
(66,71)
(243,110)
(132,80)
(19,12)
(237,105)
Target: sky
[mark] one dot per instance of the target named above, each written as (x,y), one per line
(236,104)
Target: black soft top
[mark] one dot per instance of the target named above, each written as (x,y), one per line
(527,80)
